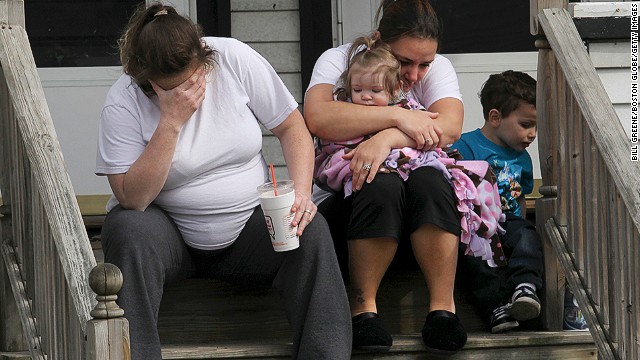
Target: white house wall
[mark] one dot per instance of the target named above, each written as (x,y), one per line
(272,28)
(75,95)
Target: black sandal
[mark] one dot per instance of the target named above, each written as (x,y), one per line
(369,333)
(443,333)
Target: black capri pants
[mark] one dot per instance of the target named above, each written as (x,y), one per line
(391,207)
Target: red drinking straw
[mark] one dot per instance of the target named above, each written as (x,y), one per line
(273,180)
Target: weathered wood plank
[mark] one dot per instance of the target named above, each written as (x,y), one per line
(590,212)
(22,301)
(574,190)
(12,12)
(11,338)
(539,345)
(558,236)
(554,280)
(602,176)
(536,6)
(562,112)
(48,165)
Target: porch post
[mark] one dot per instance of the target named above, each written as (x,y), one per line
(547,206)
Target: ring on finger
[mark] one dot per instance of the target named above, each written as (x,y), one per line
(429,141)
(308,211)
(366,167)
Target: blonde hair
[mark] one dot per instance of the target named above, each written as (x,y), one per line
(376,56)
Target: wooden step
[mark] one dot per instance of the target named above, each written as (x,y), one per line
(207,319)
(514,345)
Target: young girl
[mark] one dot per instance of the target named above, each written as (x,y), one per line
(371,79)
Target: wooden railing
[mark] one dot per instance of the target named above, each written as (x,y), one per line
(590,212)
(46,254)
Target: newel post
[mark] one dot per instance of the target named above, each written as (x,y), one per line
(550,136)
(108,332)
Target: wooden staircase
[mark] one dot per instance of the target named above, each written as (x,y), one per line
(46,254)
(206,319)
(209,319)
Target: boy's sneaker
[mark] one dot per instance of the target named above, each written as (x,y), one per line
(501,321)
(573,318)
(525,304)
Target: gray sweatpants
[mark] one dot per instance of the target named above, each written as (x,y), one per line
(149,250)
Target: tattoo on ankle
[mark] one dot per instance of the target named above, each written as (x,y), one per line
(358,295)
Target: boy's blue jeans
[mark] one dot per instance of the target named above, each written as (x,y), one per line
(493,286)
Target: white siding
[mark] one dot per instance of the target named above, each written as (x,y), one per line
(273,29)
(613,64)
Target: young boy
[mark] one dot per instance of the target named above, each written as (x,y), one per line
(508,293)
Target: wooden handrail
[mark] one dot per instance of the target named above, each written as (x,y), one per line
(48,167)
(594,102)
(45,246)
(591,208)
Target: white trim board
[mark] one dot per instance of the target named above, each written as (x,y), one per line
(600,9)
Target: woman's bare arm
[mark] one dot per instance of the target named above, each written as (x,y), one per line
(339,120)
(297,147)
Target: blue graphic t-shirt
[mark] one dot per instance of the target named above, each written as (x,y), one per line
(513,169)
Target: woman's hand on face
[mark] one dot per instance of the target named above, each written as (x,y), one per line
(366,159)
(178,104)
(421,127)
(305,210)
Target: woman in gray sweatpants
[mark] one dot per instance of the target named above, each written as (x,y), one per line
(180,141)
(149,250)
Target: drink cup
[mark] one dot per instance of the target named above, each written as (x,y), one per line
(278,215)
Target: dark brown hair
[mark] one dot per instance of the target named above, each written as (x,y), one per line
(159,42)
(506,91)
(407,18)
(369,53)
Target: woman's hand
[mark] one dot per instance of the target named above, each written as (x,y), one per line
(421,127)
(179,103)
(305,210)
(366,159)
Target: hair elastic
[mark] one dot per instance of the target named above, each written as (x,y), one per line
(161,12)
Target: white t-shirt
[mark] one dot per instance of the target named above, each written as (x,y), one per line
(439,82)
(211,189)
